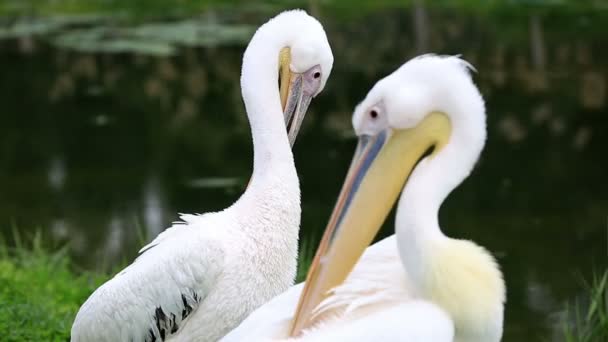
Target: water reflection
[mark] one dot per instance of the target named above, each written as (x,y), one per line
(98,149)
(56,174)
(154,221)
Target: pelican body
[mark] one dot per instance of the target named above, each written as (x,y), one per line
(421,130)
(201,277)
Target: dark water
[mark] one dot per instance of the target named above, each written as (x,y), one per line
(98,149)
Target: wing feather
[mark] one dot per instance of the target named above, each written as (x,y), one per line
(153,297)
(175,229)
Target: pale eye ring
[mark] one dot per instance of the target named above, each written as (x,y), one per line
(373,113)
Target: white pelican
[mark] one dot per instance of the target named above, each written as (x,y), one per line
(421,129)
(200,278)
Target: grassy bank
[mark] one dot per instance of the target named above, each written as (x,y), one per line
(587,319)
(40,293)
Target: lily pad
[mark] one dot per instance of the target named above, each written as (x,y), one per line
(26,27)
(214,182)
(159,39)
(110,41)
(194,33)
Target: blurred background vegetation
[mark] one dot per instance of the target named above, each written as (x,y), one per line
(117,115)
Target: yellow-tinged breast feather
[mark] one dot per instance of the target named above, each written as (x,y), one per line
(465,280)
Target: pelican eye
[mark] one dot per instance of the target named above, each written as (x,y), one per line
(373,113)
(316,74)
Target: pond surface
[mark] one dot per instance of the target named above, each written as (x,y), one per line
(102,148)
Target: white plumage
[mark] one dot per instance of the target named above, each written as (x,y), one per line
(199,278)
(366,307)
(417,285)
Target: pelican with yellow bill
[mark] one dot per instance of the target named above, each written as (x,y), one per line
(421,131)
(380,167)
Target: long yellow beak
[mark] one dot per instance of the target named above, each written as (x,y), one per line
(380,167)
(294,100)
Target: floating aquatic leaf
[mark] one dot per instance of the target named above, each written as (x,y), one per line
(185,33)
(23,28)
(46,26)
(194,33)
(214,182)
(110,40)
(154,39)
(81,39)
(135,46)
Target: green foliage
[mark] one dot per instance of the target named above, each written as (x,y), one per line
(588,321)
(305,257)
(39,293)
(145,9)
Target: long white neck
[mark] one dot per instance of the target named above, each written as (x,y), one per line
(417,223)
(274,187)
(457,275)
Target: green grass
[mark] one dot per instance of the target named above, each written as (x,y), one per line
(39,293)
(587,320)
(305,256)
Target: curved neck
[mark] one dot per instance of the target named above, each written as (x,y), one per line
(273,164)
(417,222)
(259,79)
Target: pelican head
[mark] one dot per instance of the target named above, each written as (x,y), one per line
(298,43)
(421,129)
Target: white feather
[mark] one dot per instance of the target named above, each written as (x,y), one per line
(419,285)
(201,277)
